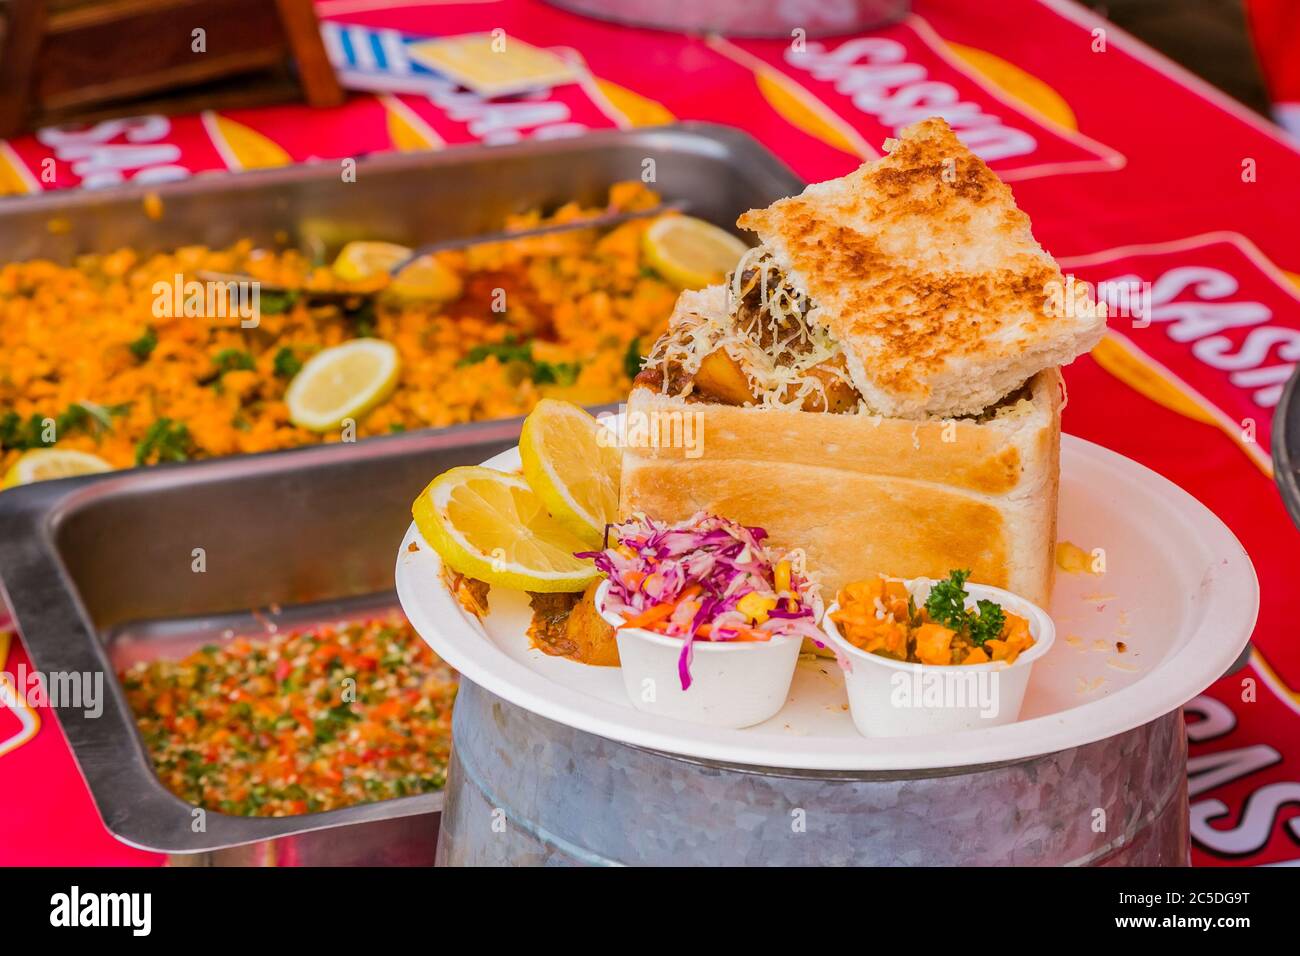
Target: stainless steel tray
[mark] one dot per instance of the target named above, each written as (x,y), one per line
(86,560)
(88,563)
(408,198)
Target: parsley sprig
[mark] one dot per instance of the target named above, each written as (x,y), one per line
(143,347)
(521,353)
(166,440)
(233,360)
(946,605)
(287,364)
(632,358)
(32,432)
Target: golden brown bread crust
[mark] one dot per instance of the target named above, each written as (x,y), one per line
(968,454)
(864,496)
(927,273)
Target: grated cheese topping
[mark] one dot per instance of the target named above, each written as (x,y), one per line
(778,348)
(773,332)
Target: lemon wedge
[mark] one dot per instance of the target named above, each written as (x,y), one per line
(571,469)
(690,252)
(40,464)
(490,525)
(426,278)
(358,261)
(342,382)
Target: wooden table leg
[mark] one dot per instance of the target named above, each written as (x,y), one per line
(320,84)
(24,27)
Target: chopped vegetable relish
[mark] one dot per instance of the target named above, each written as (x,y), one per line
(880,616)
(299,722)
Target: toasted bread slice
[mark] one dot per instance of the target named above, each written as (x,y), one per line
(927,273)
(863,495)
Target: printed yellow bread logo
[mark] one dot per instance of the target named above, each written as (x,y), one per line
(29,722)
(407,131)
(1118,357)
(802,111)
(1029,91)
(15,179)
(241,147)
(637,110)
(494,64)
(796,105)
(1122,359)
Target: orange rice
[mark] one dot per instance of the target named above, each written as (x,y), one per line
(582,300)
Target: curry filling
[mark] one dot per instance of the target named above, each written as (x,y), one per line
(766,349)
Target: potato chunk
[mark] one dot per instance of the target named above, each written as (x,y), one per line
(934,644)
(590,634)
(568,625)
(839,395)
(721,378)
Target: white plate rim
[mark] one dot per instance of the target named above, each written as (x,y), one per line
(1223,631)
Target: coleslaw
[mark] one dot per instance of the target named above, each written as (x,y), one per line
(707,578)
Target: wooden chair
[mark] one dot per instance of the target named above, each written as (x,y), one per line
(66,60)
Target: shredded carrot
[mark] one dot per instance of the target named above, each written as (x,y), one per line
(661,612)
(651,615)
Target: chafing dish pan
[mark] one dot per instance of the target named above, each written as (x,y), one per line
(91,564)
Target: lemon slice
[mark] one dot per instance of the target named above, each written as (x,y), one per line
(491,526)
(40,464)
(690,252)
(574,473)
(345,381)
(426,278)
(364,260)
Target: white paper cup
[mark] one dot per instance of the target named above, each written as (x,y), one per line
(732,684)
(889,698)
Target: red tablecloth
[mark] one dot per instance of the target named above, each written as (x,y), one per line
(1127,164)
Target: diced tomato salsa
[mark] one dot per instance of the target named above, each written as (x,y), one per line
(311,720)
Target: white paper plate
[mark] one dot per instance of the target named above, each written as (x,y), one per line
(1179,592)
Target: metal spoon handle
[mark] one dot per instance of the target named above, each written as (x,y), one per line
(603,221)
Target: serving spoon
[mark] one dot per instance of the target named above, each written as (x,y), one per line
(602,221)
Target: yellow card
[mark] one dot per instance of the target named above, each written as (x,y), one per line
(494,64)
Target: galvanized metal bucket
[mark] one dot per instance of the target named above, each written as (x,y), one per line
(525,790)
